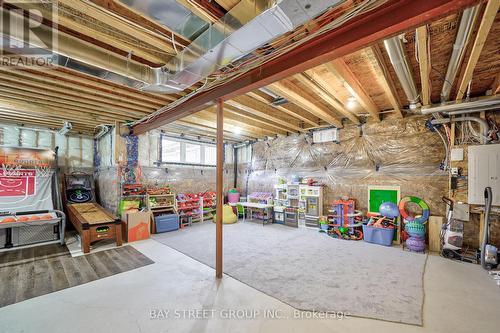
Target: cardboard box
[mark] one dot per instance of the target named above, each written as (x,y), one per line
(137,226)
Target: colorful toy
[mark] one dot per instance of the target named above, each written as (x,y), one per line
(416,244)
(345,221)
(423,205)
(389,210)
(415,226)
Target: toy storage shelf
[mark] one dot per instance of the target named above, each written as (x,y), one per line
(167,204)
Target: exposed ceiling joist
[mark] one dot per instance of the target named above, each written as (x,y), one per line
(351,83)
(32,92)
(292,110)
(235,120)
(249,117)
(212,129)
(298,96)
(424,63)
(253,107)
(55,81)
(8,93)
(489,15)
(37,108)
(319,85)
(387,20)
(124,20)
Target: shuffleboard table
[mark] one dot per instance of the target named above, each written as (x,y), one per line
(94,223)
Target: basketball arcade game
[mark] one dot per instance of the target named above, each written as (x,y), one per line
(29,191)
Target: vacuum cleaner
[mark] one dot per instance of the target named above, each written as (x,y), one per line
(489,253)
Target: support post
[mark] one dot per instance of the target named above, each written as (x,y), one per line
(219,188)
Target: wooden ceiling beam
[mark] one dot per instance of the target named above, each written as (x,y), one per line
(321,88)
(422,40)
(236,120)
(72,99)
(298,96)
(35,108)
(339,68)
(52,122)
(213,129)
(78,81)
(387,84)
(59,85)
(253,107)
(22,120)
(290,109)
(209,121)
(230,110)
(26,91)
(121,22)
(63,107)
(183,131)
(487,20)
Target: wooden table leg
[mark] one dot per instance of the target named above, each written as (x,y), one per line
(118,233)
(86,240)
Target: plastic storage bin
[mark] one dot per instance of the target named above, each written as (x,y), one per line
(165,223)
(381,236)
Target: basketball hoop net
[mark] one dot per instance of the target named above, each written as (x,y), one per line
(43,171)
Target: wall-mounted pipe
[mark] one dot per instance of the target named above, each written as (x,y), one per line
(400,63)
(463,35)
(483,123)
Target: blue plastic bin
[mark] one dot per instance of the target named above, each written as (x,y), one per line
(165,223)
(381,236)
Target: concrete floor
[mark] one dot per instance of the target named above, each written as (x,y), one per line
(458,298)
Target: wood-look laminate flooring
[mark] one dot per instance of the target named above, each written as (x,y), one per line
(36,271)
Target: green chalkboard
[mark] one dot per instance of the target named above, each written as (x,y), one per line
(378,196)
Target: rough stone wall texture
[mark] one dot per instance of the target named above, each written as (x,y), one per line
(397,152)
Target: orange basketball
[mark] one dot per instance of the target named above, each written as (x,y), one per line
(34,218)
(8,219)
(47,217)
(23,218)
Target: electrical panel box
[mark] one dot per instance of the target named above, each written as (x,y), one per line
(484,169)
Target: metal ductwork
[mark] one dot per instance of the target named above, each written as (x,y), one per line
(463,34)
(460,107)
(236,35)
(233,38)
(395,50)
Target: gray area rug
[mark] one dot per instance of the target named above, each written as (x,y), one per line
(312,271)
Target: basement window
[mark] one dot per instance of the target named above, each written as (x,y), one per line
(189,152)
(171,151)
